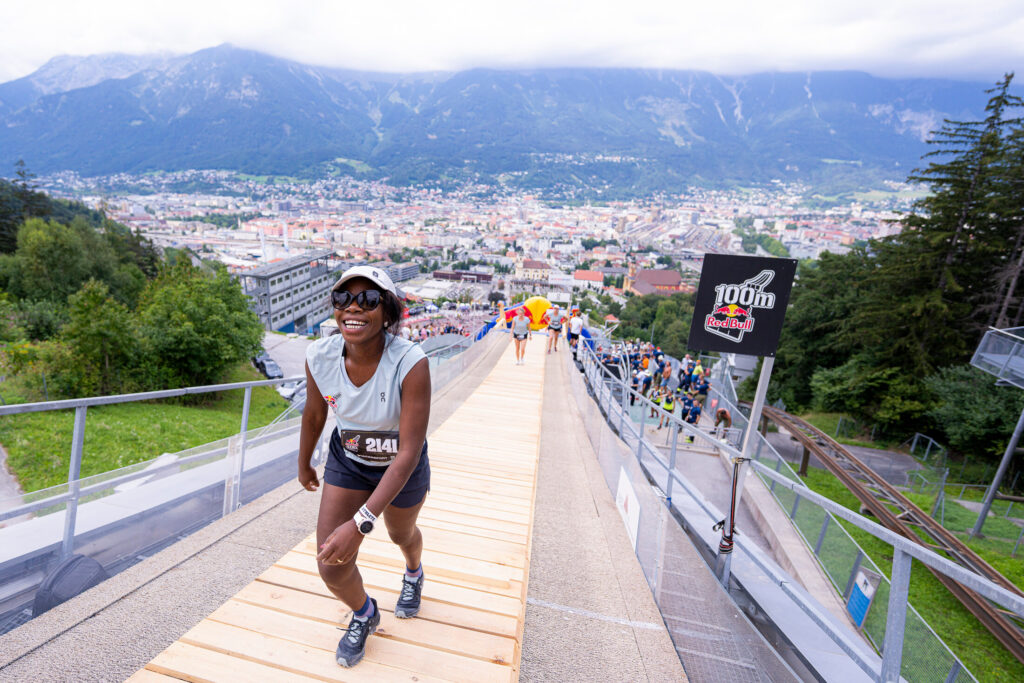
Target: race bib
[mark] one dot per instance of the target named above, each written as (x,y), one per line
(373,447)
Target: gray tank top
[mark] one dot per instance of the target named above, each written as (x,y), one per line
(520,325)
(377,404)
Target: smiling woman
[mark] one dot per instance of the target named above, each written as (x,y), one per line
(377,385)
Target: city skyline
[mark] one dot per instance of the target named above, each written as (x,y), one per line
(906,39)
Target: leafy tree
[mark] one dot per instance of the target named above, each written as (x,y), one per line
(974,414)
(19,201)
(194,326)
(670,316)
(100,335)
(54,260)
(51,262)
(10,328)
(41,319)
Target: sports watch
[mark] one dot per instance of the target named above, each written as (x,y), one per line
(364,520)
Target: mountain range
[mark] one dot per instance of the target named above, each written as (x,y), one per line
(613,129)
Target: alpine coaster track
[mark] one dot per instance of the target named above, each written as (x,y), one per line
(893,510)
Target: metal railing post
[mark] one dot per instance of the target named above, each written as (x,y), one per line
(853,574)
(625,412)
(238,463)
(674,432)
(954,671)
(643,421)
(896,618)
(778,466)
(74,475)
(821,535)
(796,504)
(941,494)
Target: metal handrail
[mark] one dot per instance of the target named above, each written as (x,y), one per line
(41,406)
(903,548)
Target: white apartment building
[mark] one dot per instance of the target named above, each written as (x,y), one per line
(292,295)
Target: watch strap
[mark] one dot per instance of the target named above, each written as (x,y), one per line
(362,516)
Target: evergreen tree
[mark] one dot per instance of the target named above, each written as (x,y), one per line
(866,328)
(969,221)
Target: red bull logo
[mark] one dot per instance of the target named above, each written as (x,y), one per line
(352,444)
(731,311)
(733,316)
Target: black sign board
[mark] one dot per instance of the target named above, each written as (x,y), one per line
(741,303)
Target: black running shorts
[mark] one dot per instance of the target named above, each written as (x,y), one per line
(346,473)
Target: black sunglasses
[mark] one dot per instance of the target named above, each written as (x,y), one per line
(368,299)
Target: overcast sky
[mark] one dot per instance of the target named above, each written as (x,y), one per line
(967,39)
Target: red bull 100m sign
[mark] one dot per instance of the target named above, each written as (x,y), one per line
(741,303)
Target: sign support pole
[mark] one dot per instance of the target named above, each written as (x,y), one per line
(740,472)
(993,488)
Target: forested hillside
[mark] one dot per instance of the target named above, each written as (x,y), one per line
(88,307)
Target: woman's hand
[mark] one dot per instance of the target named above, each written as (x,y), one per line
(308,478)
(342,545)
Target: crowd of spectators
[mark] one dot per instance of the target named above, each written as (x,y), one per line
(449,322)
(678,387)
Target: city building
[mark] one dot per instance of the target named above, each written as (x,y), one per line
(400,272)
(652,281)
(590,279)
(535,271)
(292,295)
(463,275)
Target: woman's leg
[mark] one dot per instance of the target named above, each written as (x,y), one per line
(337,506)
(401,524)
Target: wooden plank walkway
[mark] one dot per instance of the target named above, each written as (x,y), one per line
(476,526)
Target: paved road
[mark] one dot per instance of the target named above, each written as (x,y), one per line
(289,352)
(10,491)
(894,467)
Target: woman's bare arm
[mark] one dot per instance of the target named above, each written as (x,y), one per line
(314,415)
(412,431)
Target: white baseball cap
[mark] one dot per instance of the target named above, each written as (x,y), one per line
(372,273)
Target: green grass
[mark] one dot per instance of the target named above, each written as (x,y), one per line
(986,658)
(829,422)
(39,444)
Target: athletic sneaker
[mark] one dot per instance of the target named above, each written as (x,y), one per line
(409,599)
(352,645)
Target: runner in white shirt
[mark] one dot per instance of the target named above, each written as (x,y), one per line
(575,328)
(375,386)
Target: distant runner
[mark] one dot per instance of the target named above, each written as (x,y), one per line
(520,333)
(575,329)
(555,319)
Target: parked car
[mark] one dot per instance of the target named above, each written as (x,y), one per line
(259,359)
(271,369)
(292,391)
